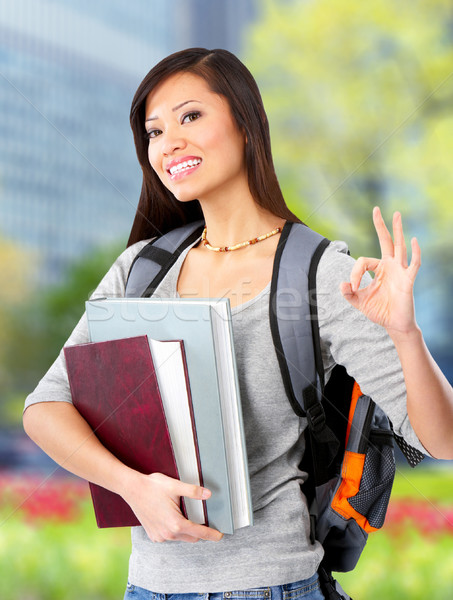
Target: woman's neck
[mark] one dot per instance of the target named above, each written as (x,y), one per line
(236,222)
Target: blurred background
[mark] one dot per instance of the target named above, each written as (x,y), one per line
(360,102)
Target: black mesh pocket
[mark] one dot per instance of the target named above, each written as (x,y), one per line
(373,496)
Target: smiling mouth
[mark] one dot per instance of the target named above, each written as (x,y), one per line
(184,166)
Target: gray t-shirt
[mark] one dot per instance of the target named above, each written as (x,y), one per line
(277,548)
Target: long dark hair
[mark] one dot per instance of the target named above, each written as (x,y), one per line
(158,210)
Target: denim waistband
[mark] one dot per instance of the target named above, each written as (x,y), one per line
(306,589)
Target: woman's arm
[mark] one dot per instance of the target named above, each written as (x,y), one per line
(388,301)
(51,420)
(59,429)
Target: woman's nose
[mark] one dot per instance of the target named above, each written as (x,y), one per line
(172,142)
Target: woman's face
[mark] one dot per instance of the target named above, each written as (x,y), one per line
(195,146)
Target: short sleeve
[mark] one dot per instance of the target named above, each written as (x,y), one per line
(54,386)
(364,348)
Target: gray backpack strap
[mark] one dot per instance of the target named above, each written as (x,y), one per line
(290,314)
(155,259)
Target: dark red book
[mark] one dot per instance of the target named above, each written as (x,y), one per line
(114,387)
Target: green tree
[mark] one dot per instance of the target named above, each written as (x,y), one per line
(38,327)
(15,266)
(359,98)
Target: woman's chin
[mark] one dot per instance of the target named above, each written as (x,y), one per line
(183,195)
(184,199)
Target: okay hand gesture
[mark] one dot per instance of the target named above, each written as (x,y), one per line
(388,300)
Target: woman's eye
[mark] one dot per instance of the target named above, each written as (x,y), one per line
(153,133)
(192,116)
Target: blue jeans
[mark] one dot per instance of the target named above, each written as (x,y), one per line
(308,589)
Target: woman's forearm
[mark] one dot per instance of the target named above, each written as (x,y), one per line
(59,429)
(65,436)
(429,394)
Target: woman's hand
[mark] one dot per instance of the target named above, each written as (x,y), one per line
(388,300)
(155,501)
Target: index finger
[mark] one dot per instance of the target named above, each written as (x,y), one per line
(385,239)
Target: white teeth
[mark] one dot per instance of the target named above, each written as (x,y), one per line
(184,165)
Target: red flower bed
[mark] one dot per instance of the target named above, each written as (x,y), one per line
(58,498)
(61,498)
(430,518)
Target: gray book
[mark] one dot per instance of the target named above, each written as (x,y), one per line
(206,329)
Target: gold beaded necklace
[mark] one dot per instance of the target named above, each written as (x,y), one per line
(237,246)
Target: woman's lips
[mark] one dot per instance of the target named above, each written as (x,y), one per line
(184,166)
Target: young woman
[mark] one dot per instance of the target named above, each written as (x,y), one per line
(202,140)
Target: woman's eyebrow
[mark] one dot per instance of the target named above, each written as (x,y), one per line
(173,109)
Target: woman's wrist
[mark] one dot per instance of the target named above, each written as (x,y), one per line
(125,481)
(412,335)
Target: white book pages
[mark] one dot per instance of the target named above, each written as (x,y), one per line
(171,377)
(232,417)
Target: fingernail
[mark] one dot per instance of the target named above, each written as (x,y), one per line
(205,494)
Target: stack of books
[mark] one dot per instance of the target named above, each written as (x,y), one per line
(158,385)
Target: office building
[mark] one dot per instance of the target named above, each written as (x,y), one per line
(69,178)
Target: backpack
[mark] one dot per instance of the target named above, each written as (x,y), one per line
(349,451)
